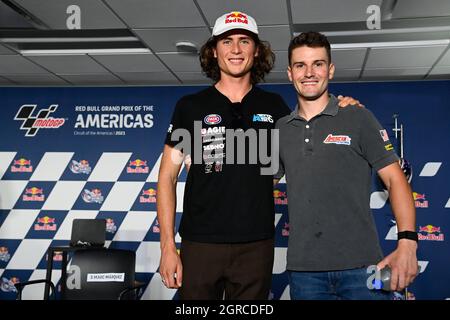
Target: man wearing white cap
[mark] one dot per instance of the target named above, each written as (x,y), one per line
(227,226)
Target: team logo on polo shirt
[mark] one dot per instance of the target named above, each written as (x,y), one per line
(384,135)
(337,139)
(262,118)
(212,119)
(212,131)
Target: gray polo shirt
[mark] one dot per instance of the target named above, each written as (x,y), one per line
(328,162)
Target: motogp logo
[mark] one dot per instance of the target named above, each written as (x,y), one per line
(32,124)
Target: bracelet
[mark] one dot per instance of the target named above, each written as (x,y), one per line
(411,235)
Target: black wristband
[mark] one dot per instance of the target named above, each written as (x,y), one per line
(411,235)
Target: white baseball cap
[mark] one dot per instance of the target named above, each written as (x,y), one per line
(234,20)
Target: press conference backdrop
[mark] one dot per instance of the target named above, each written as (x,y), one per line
(101,160)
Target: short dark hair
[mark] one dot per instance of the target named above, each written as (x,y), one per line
(262,64)
(310,39)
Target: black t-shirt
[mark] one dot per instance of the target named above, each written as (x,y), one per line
(226,201)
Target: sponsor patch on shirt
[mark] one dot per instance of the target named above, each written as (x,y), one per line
(262,118)
(212,119)
(384,135)
(212,131)
(337,139)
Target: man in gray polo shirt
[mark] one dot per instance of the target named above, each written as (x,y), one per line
(327,154)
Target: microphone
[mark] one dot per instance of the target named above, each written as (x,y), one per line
(384,282)
(385,278)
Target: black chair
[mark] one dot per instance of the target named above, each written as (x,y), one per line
(88,233)
(97,274)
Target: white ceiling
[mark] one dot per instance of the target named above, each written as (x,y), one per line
(158,25)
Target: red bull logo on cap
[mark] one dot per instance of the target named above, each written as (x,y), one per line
(22,165)
(148,196)
(236,17)
(33,194)
(280,197)
(419,200)
(137,166)
(45,223)
(432,233)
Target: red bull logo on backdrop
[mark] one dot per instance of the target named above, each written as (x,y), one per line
(430,233)
(137,166)
(280,197)
(33,194)
(419,200)
(148,196)
(45,223)
(22,165)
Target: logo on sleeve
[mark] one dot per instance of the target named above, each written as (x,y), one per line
(338,139)
(384,135)
(212,119)
(262,118)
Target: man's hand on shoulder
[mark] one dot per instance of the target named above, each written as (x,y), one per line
(348,101)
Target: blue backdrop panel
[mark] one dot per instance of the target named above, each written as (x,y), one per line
(96,154)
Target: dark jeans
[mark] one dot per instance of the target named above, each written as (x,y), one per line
(238,271)
(333,285)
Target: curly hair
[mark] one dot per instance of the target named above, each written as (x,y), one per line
(262,63)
